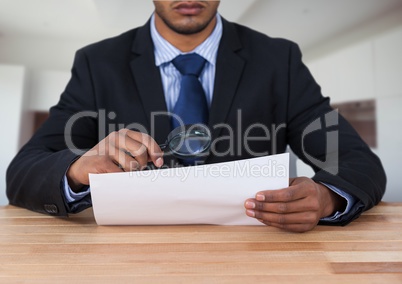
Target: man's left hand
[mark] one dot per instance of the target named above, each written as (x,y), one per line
(297,208)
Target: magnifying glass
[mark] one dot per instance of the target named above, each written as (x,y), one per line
(188,141)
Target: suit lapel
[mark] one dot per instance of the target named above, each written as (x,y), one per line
(229,68)
(148,81)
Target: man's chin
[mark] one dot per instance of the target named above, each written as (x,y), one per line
(188,28)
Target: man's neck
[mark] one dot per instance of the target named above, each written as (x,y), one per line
(183,42)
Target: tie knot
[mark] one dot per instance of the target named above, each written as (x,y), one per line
(189,64)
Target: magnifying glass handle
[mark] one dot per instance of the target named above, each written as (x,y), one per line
(163,146)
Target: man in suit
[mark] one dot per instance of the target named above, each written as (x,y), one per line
(112,116)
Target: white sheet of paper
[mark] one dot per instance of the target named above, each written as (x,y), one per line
(207,194)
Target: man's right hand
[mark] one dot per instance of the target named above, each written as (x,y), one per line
(121,151)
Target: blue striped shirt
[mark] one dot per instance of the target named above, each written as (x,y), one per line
(171,77)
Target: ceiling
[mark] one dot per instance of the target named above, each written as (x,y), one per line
(307,22)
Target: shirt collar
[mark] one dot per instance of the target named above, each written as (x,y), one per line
(166,52)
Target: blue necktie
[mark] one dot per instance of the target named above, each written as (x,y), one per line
(191,106)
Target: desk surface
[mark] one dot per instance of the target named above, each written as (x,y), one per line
(41,249)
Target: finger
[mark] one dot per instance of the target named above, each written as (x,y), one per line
(117,160)
(112,167)
(300,205)
(291,193)
(107,163)
(154,152)
(131,146)
(292,180)
(127,162)
(137,151)
(285,219)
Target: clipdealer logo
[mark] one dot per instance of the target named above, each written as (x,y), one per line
(331,122)
(328,124)
(238,137)
(227,170)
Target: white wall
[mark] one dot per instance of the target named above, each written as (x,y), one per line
(47,64)
(45,87)
(370,69)
(43,72)
(11,108)
(388,86)
(39,53)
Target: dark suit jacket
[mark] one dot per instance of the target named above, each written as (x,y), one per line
(259,81)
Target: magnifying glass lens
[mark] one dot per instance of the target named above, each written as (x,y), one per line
(189,141)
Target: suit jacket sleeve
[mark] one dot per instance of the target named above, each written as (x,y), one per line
(34,177)
(325,141)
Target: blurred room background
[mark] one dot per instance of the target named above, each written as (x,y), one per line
(352,47)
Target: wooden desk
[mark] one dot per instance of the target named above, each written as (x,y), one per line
(41,249)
